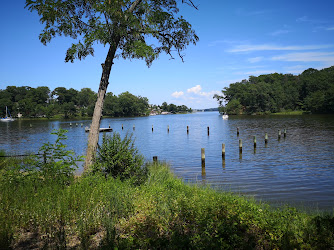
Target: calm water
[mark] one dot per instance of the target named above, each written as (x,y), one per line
(298,169)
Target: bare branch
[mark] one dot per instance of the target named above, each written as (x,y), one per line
(134,5)
(190,3)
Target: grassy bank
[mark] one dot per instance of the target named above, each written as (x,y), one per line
(163,212)
(295,112)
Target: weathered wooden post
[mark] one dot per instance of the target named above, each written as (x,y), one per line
(240,146)
(266,138)
(254,140)
(122,126)
(109,125)
(168,128)
(187,129)
(223,151)
(208,131)
(279,134)
(284,133)
(155,159)
(76,124)
(203,157)
(152,128)
(81,124)
(70,123)
(134,127)
(238,131)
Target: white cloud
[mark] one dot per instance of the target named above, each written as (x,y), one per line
(303,19)
(255,59)
(196,98)
(326,57)
(195,89)
(177,94)
(279,32)
(256,72)
(267,47)
(330,28)
(297,69)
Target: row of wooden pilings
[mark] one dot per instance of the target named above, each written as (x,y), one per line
(155,158)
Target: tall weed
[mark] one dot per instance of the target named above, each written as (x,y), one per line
(120,158)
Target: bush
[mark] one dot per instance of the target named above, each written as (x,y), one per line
(120,159)
(53,164)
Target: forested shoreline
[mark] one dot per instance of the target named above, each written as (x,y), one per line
(70,103)
(311,91)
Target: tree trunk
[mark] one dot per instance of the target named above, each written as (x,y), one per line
(93,137)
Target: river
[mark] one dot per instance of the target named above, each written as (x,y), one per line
(297,169)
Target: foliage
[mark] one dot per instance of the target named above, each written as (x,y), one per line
(313,90)
(174,108)
(125,104)
(128,25)
(163,212)
(119,158)
(53,164)
(68,102)
(57,162)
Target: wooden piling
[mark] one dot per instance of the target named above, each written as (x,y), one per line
(208,130)
(81,124)
(134,127)
(168,128)
(238,131)
(254,140)
(284,133)
(70,123)
(203,156)
(279,134)
(187,129)
(240,146)
(223,151)
(76,124)
(122,127)
(152,128)
(266,138)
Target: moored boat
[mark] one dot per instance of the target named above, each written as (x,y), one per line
(7,118)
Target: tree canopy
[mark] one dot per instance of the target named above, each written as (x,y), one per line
(67,103)
(141,29)
(312,90)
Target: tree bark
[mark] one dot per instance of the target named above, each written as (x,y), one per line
(93,137)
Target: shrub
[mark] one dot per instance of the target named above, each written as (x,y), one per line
(120,159)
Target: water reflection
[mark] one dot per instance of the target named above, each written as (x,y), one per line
(296,168)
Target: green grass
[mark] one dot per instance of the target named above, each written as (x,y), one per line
(295,112)
(164,212)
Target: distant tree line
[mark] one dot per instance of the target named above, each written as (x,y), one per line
(311,91)
(62,102)
(172,108)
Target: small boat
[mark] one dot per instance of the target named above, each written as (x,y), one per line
(7,118)
(225,116)
(100,130)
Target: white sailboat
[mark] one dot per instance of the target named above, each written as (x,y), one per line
(7,118)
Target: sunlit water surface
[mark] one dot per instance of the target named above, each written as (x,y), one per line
(297,170)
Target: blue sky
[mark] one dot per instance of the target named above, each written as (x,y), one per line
(238,38)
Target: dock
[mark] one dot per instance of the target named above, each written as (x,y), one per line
(100,130)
